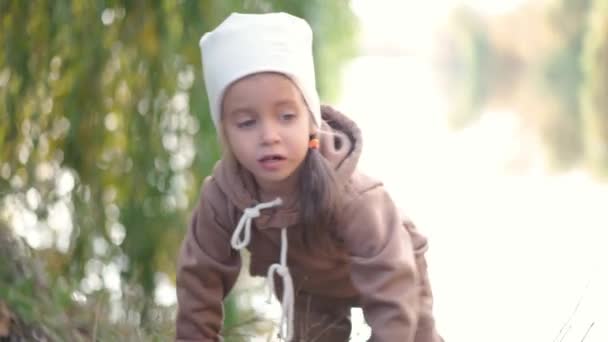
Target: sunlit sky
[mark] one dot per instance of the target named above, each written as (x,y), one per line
(410,24)
(431,10)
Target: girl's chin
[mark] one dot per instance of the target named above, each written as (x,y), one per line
(276,184)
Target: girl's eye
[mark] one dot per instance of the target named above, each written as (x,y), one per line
(288,116)
(245,123)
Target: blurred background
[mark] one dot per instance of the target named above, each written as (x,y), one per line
(486,120)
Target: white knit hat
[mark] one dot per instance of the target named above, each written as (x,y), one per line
(246,44)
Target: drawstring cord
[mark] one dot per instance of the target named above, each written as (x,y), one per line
(286,323)
(241,238)
(245,223)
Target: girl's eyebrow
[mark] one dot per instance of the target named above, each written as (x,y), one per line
(242,110)
(284,102)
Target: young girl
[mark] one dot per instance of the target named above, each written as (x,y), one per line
(327,237)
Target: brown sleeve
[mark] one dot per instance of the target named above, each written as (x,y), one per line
(426,330)
(207,269)
(383,266)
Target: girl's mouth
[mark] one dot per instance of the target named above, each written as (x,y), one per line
(271,162)
(271,157)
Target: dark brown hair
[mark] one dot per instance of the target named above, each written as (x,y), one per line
(319,197)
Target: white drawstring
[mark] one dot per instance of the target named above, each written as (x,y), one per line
(286,323)
(281,269)
(245,223)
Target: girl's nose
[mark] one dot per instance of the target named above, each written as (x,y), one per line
(269,133)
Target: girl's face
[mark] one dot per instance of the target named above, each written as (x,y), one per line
(267,126)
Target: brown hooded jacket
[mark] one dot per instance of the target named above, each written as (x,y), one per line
(379,265)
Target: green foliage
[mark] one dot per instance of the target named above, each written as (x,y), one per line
(576,73)
(594,89)
(105,135)
(567,76)
(467,70)
(47,306)
(562,76)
